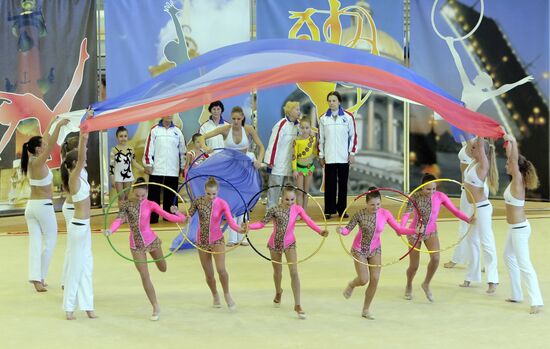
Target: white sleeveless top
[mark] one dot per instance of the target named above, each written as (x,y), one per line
(463,157)
(42,182)
(470,177)
(509,199)
(230,144)
(84,191)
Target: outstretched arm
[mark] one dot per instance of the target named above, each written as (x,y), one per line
(445,201)
(177,218)
(267,218)
(229,217)
(309,221)
(218,131)
(505,88)
(398,229)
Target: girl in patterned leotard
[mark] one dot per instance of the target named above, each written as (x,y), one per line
(210,238)
(123,157)
(143,240)
(366,246)
(282,240)
(429,202)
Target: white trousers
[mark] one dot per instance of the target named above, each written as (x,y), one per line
(274,194)
(460,255)
(42,224)
(233,236)
(78,280)
(68,213)
(518,262)
(482,233)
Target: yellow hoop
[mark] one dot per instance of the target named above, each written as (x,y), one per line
(470,195)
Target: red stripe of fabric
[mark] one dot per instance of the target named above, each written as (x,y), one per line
(454,113)
(354,148)
(147,146)
(272,160)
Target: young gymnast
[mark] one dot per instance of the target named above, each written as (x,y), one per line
(480,176)
(143,240)
(78,290)
(210,238)
(305,150)
(39,213)
(123,157)
(283,241)
(195,148)
(367,248)
(516,252)
(429,201)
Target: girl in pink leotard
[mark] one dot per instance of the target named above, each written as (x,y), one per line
(283,240)
(367,248)
(429,202)
(210,238)
(143,240)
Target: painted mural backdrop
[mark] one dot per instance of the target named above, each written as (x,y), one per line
(146,38)
(494,56)
(45,70)
(375,26)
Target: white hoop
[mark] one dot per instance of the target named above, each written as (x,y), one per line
(462,37)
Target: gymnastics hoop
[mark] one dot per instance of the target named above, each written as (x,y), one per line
(246,214)
(470,195)
(122,192)
(357,198)
(464,37)
(305,258)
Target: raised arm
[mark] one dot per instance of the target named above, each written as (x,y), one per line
(483,163)
(458,62)
(50,141)
(82,150)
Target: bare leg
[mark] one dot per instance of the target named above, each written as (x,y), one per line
(219,259)
(121,197)
(158,255)
(307,184)
(126,185)
(361,279)
(277,276)
(299,194)
(143,270)
(291,257)
(414,262)
(373,285)
(432,244)
(208,268)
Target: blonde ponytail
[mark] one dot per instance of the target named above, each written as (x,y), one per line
(493,170)
(529,173)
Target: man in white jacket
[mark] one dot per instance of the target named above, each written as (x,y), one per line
(278,155)
(164,159)
(337,146)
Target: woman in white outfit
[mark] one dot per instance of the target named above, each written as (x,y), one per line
(78,289)
(235,136)
(39,213)
(461,250)
(68,208)
(516,252)
(480,172)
